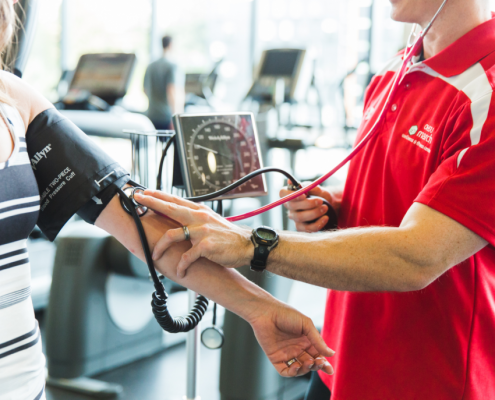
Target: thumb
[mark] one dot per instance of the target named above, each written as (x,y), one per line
(317,191)
(316,340)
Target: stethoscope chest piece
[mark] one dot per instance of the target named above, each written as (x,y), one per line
(212,338)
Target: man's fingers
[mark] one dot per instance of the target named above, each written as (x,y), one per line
(187,259)
(285,192)
(175,211)
(169,237)
(308,215)
(307,204)
(313,227)
(172,199)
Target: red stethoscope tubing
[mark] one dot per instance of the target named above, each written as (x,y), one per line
(410,52)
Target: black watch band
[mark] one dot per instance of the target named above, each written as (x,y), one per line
(264,239)
(258,263)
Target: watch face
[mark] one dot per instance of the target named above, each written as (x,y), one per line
(266,234)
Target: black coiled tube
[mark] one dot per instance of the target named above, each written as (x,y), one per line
(178,324)
(160,297)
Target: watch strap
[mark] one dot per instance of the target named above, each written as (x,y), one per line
(258,263)
(261,253)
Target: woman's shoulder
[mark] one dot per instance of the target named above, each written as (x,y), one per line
(28,101)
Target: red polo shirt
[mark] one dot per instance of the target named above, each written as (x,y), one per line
(436,147)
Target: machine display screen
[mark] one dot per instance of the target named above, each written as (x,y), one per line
(280,63)
(216,150)
(104,75)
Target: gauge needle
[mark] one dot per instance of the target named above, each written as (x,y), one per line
(197,146)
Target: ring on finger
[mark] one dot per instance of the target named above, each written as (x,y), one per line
(186,232)
(291,361)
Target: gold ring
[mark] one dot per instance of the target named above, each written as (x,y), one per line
(186,232)
(292,361)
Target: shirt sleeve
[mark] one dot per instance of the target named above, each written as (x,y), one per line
(463,186)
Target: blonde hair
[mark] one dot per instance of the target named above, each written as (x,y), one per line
(8,22)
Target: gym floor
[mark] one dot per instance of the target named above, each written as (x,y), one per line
(163,375)
(159,377)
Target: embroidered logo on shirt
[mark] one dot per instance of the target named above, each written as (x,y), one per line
(423,138)
(369,112)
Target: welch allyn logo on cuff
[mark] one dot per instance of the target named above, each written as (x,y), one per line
(264,239)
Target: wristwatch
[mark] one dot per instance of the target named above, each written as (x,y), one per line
(265,239)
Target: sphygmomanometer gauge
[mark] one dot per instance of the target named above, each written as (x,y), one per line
(218,150)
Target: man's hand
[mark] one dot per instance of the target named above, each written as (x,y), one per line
(303,210)
(283,333)
(212,236)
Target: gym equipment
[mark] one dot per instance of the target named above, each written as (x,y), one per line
(98,82)
(199,88)
(98,316)
(277,76)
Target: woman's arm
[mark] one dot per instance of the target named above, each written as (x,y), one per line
(282,332)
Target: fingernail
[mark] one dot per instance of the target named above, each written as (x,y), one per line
(323,208)
(332,371)
(327,364)
(332,351)
(311,366)
(297,369)
(137,194)
(153,256)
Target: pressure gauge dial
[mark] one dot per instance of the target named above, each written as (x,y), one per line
(218,153)
(217,150)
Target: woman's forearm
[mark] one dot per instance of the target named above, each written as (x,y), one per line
(225,286)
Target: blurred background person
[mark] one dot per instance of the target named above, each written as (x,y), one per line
(163,84)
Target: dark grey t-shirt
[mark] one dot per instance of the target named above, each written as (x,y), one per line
(159,75)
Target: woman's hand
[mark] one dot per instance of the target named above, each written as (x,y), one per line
(284,333)
(302,209)
(212,236)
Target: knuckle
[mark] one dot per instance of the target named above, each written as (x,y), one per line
(203,214)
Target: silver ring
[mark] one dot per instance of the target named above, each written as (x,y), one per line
(186,232)
(292,361)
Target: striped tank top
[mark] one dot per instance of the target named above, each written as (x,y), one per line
(21,358)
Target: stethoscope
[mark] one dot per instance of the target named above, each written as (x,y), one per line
(412,50)
(213,337)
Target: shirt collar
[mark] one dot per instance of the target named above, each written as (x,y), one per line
(466,51)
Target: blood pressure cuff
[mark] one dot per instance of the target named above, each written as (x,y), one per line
(74,175)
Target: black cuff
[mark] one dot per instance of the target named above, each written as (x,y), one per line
(93,208)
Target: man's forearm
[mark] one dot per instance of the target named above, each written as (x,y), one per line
(404,258)
(367,259)
(226,287)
